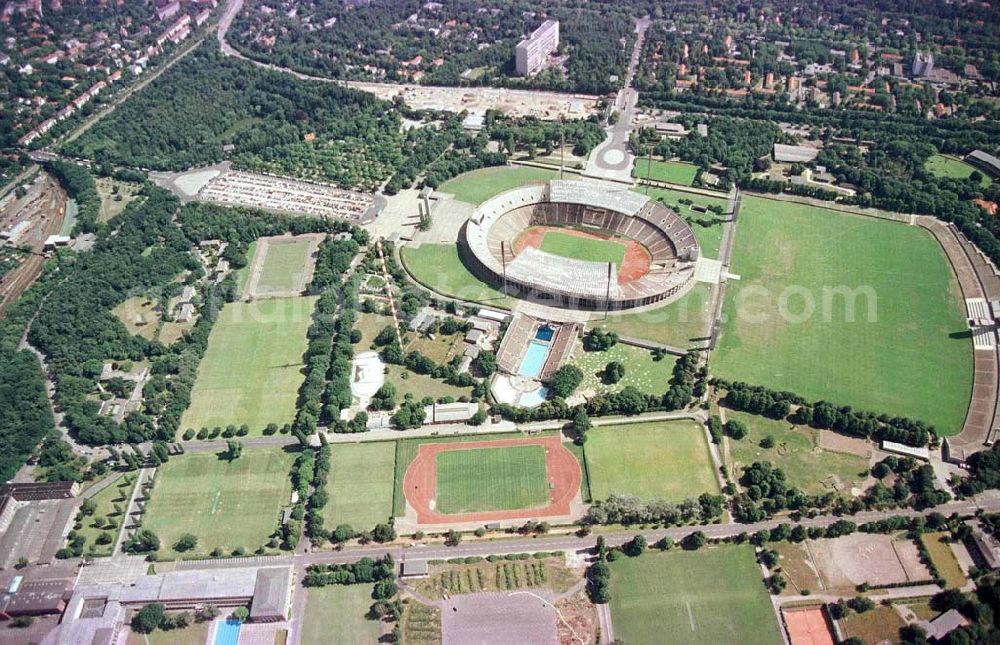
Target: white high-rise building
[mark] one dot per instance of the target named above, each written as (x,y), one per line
(923,64)
(530,53)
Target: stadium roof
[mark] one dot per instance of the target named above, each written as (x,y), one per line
(986,160)
(615,197)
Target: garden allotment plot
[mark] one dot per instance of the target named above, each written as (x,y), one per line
(251,371)
(224,504)
(907,351)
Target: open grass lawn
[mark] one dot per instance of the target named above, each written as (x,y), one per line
(194,634)
(641,371)
(875,626)
(251,371)
(284,266)
(113,203)
(661,460)
(796,451)
(439,268)
(139,315)
(360,484)
(224,504)
(491,479)
(714,595)
(673,172)
(110,520)
(369,325)
(421,385)
(851,310)
(477,186)
(682,323)
(583,248)
(946,166)
(336,614)
(440,350)
(243,273)
(944,558)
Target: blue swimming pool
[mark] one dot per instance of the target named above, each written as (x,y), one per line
(534,359)
(545,333)
(228,633)
(533,398)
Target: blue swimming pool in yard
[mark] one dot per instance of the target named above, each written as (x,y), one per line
(534,360)
(228,633)
(533,398)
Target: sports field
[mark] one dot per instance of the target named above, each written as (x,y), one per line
(797,452)
(946,166)
(224,504)
(477,186)
(439,268)
(491,479)
(583,248)
(673,172)
(336,615)
(641,371)
(848,309)
(661,460)
(360,484)
(681,323)
(722,598)
(285,265)
(251,370)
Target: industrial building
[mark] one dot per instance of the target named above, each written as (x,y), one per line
(531,53)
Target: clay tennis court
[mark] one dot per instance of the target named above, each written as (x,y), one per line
(635,264)
(561,468)
(807,626)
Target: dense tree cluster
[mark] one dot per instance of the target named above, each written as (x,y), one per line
(777,405)
(914,485)
(628,509)
(79,184)
(365,570)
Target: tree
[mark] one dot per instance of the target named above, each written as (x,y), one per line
(767,442)
(452,538)
(342,533)
(486,363)
(240,614)
(147,619)
(637,546)
(581,423)
(186,543)
(234,449)
(613,372)
(736,429)
(565,380)
(142,541)
(383,533)
(694,541)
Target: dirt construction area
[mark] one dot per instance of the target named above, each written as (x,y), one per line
(499,618)
(845,562)
(562,472)
(282,266)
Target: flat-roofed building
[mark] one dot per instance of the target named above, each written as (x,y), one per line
(37,598)
(794,154)
(414,569)
(530,54)
(457,412)
(272,594)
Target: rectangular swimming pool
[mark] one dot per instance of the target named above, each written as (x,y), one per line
(227,632)
(534,360)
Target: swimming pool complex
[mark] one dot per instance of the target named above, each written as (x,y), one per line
(534,359)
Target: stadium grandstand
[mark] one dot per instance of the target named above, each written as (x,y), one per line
(487,245)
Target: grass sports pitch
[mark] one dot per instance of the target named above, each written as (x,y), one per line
(491,479)
(284,266)
(722,600)
(787,321)
(479,185)
(583,248)
(360,484)
(224,504)
(251,370)
(663,460)
(945,166)
(672,172)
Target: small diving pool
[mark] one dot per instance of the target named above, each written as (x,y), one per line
(545,333)
(534,360)
(228,632)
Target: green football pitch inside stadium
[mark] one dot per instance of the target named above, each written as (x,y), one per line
(583,248)
(491,479)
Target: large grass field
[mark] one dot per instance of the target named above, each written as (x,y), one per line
(945,166)
(661,460)
(491,479)
(848,309)
(797,452)
(224,504)
(583,248)
(672,172)
(284,265)
(641,371)
(439,268)
(360,484)
(712,595)
(336,615)
(479,185)
(251,370)
(682,323)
